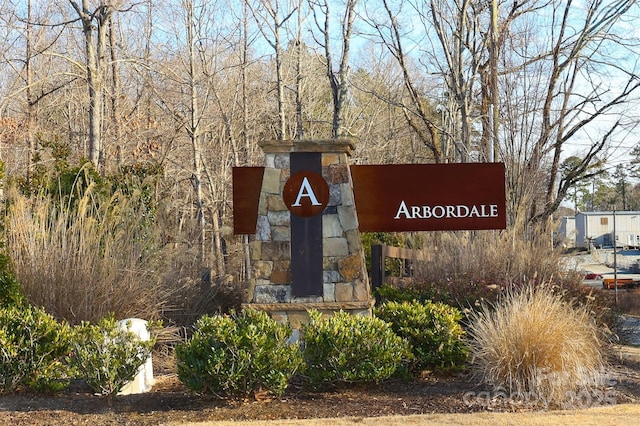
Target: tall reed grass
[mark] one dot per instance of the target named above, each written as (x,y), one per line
(493,257)
(85,258)
(533,343)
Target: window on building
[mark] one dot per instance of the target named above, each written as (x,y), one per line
(604,221)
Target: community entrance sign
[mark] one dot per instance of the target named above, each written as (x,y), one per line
(307,207)
(430,197)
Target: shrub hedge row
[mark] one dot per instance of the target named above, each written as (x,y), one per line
(240,354)
(231,355)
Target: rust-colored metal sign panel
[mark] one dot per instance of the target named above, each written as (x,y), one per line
(430,197)
(247,182)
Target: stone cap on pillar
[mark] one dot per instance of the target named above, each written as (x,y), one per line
(326,145)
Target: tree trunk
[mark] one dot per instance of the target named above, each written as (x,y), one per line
(338,79)
(282,127)
(95,50)
(194,135)
(299,132)
(31,139)
(115,91)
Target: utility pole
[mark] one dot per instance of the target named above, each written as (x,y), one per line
(493,58)
(615,257)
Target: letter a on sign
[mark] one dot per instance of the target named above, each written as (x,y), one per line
(306,191)
(306,194)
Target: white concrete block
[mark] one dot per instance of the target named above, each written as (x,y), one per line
(143,381)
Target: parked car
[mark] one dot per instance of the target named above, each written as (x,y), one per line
(592,276)
(610,283)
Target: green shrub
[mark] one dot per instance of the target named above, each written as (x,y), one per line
(534,343)
(107,356)
(389,293)
(10,292)
(238,355)
(432,329)
(351,349)
(31,344)
(54,377)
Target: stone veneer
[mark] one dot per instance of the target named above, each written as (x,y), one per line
(345,280)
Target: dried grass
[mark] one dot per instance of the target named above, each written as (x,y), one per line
(534,343)
(82,262)
(492,257)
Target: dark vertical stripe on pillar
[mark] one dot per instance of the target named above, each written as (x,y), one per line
(306,237)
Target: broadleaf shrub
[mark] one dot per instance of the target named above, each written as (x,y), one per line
(238,355)
(108,356)
(432,329)
(10,291)
(351,349)
(52,378)
(31,342)
(532,342)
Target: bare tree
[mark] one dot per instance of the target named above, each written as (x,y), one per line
(30,77)
(271,17)
(523,80)
(95,25)
(299,50)
(337,73)
(416,107)
(115,87)
(193,126)
(21,66)
(200,87)
(576,98)
(384,136)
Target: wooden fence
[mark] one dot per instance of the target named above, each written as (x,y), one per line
(380,252)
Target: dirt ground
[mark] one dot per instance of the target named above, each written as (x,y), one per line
(170,403)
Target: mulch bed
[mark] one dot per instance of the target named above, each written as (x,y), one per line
(170,401)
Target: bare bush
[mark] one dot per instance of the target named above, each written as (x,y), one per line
(196,291)
(493,257)
(534,343)
(469,267)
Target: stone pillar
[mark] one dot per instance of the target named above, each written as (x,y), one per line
(345,285)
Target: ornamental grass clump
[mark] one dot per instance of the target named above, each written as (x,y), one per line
(82,260)
(535,345)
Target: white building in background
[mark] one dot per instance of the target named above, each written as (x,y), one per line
(597,228)
(566,234)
